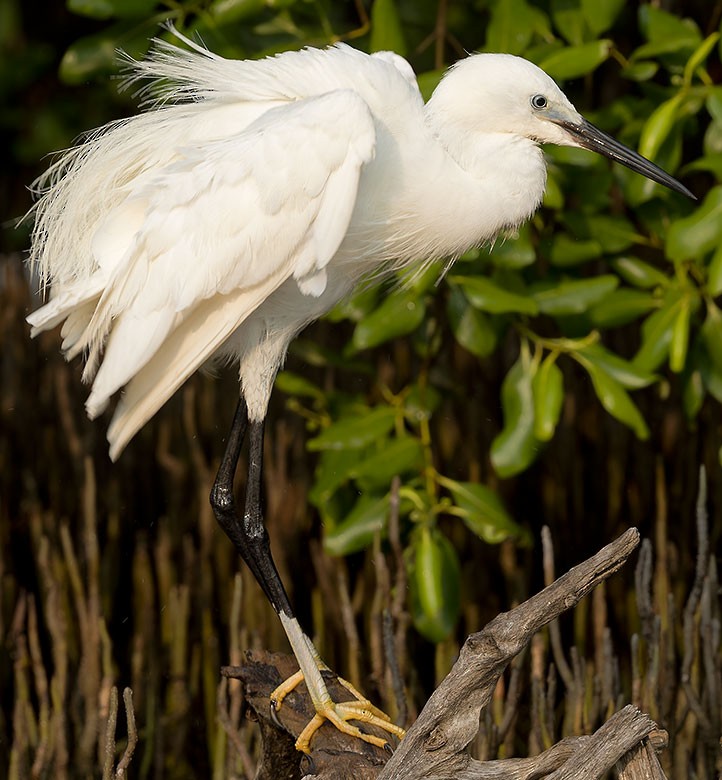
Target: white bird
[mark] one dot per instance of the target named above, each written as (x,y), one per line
(251,198)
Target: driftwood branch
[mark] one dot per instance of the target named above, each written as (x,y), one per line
(435,747)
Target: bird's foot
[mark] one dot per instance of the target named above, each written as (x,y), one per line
(338,713)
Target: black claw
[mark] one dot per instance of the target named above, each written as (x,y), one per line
(311,769)
(274,714)
(388,748)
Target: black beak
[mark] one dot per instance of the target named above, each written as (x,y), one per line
(592,138)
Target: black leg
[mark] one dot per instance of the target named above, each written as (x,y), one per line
(248,534)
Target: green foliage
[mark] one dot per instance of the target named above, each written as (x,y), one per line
(611,259)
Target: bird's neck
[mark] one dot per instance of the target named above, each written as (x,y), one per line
(499,177)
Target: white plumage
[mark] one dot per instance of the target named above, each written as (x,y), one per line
(250,199)
(222,224)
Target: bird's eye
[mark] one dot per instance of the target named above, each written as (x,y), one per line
(539,101)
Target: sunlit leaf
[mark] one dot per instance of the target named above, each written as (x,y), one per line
(621,307)
(488,296)
(575,61)
(434,584)
(660,25)
(701,231)
(293,384)
(639,273)
(699,56)
(711,333)
(623,371)
(613,233)
(360,430)
(569,20)
(517,251)
(387,32)
(567,251)
(574,296)
(548,391)
(680,336)
(615,399)
(400,313)
(600,16)
(516,447)
(658,126)
(471,327)
(332,471)
(232,11)
(657,334)
(395,458)
(357,530)
(511,26)
(112,9)
(484,512)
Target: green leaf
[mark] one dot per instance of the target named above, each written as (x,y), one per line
(332,471)
(567,251)
(574,296)
(399,314)
(109,9)
(488,296)
(623,371)
(621,307)
(232,11)
(575,61)
(471,328)
(657,333)
(429,81)
(658,127)
(600,16)
(639,273)
(511,26)
(387,32)
(548,390)
(293,384)
(680,336)
(711,333)
(400,456)
(92,55)
(484,512)
(616,400)
(693,394)
(359,305)
(614,234)
(640,71)
(692,236)
(421,402)
(353,432)
(516,251)
(356,532)
(569,20)
(714,274)
(434,584)
(515,447)
(699,56)
(658,25)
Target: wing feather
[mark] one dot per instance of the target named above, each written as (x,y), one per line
(193,248)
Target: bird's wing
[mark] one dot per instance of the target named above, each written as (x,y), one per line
(174,74)
(209,238)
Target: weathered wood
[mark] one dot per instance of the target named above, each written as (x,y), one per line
(435,747)
(641,762)
(336,756)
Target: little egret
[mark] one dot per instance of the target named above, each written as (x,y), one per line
(249,199)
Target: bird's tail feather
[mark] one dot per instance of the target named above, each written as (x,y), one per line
(195,340)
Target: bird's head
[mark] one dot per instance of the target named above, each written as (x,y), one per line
(502,93)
